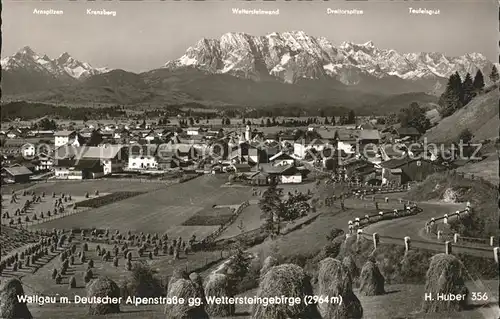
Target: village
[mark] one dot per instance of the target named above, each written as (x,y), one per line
(366,154)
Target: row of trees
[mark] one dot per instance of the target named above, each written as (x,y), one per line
(458,93)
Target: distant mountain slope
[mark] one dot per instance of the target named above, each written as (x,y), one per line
(164,87)
(27,71)
(480,116)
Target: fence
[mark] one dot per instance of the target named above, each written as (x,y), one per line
(211,238)
(447,247)
(388,215)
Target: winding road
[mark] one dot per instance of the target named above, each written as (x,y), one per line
(394,231)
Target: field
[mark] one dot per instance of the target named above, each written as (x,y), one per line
(39,282)
(210,217)
(79,188)
(46,206)
(249,219)
(161,210)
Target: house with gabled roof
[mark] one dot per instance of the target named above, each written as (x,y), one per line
(267,173)
(16,174)
(142,157)
(404,170)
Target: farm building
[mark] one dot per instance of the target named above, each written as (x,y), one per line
(368,137)
(78,169)
(267,173)
(63,137)
(302,146)
(282,159)
(142,157)
(72,162)
(407,133)
(402,171)
(16,174)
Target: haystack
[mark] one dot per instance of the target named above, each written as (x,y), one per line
(268,263)
(350,265)
(102,287)
(10,307)
(183,288)
(445,276)
(334,280)
(218,286)
(198,282)
(284,280)
(371,280)
(176,275)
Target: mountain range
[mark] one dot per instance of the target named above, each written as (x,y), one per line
(293,55)
(240,69)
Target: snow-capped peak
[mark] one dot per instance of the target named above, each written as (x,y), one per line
(65,65)
(369,44)
(295,54)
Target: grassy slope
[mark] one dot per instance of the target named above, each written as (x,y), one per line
(480,116)
(481,194)
(487,169)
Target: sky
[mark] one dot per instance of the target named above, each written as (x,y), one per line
(146,35)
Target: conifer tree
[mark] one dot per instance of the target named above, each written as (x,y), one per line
(479,81)
(468,88)
(494,77)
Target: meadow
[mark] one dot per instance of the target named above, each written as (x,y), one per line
(161,210)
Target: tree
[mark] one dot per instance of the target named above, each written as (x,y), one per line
(326,121)
(333,120)
(478,81)
(465,136)
(46,124)
(414,116)
(351,117)
(239,263)
(468,89)
(191,121)
(272,206)
(494,77)
(453,96)
(268,122)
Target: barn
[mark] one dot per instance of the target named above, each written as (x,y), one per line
(16,174)
(402,171)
